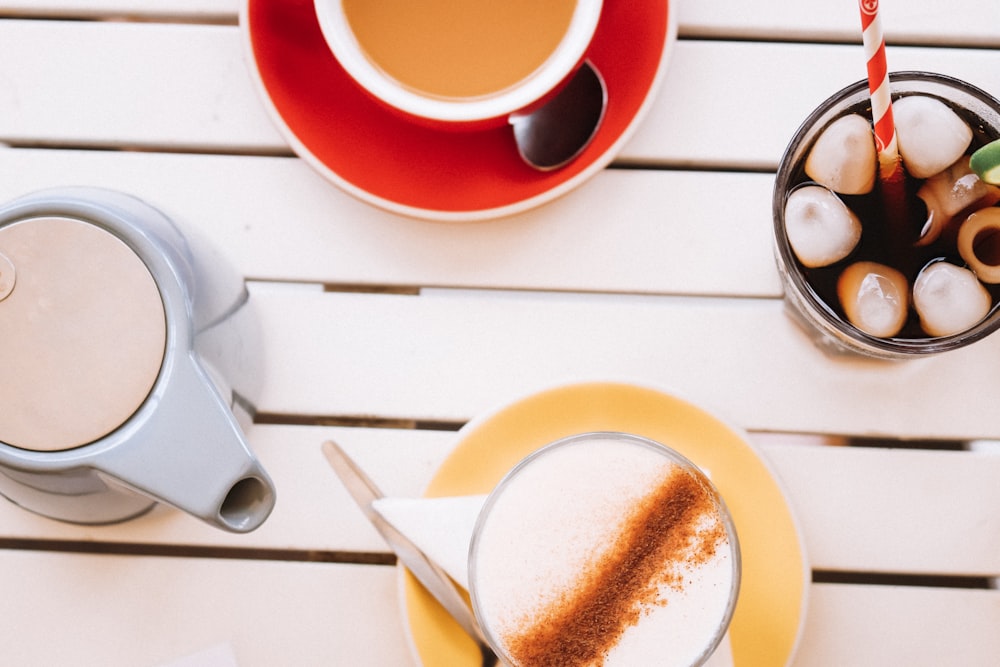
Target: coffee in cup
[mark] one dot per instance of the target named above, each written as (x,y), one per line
(464,64)
(604,547)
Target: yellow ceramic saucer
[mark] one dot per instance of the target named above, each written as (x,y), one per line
(771,606)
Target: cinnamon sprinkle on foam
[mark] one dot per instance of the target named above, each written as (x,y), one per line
(668,532)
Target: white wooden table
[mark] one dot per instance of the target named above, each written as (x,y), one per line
(388,333)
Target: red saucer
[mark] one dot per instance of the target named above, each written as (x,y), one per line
(415,170)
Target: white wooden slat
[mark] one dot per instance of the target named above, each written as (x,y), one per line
(692,123)
(282,613)
(904,21)
(187,86)
(279,613)
(275,219)
(120,7)
(907,21)
(870,509)
(856,507)
(450,357)
(874,626)
(126,611)
(313,512)
(118,611)
(190,10)
(121,84)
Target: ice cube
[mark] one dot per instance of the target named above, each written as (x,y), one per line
(949,299)
(874,297)
(843,157)
(820,227)
(950,192)
(931,136)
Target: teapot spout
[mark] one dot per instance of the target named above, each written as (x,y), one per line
(190,453)
(247,504)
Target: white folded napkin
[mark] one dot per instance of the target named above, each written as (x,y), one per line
(442,528)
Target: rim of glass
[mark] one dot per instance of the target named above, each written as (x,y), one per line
(625,438)
(817,311)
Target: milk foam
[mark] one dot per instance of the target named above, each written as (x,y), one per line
(559,516)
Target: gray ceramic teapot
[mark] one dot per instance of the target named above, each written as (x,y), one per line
(116,337)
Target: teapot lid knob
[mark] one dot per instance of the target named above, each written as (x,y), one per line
(7,277)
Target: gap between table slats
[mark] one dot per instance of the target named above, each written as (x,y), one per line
(274,613)
(908,21)
(854,529)
(462,353)
(187,87)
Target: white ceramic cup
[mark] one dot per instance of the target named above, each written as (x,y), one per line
(465,112)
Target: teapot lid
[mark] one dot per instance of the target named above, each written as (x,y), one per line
(82,333)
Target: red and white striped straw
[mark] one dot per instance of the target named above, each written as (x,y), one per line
(878,87)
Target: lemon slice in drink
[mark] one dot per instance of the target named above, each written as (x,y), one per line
(986,163)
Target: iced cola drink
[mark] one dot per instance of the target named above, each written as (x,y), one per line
(901,269)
